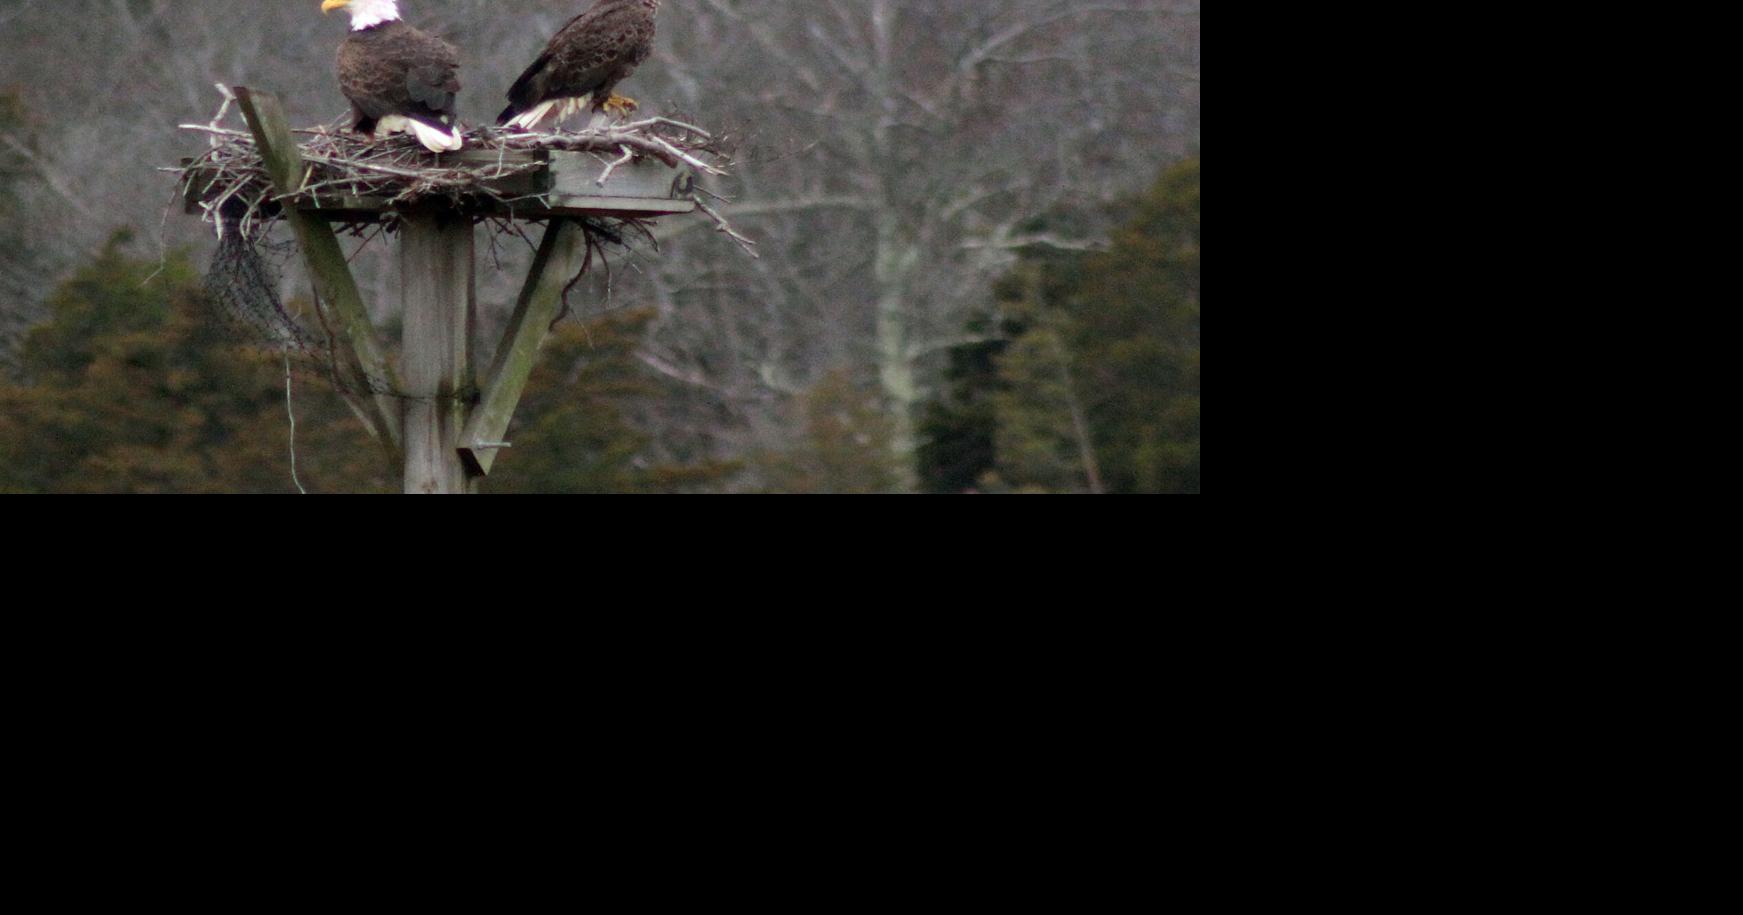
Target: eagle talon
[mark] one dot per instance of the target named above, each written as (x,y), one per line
(620,105)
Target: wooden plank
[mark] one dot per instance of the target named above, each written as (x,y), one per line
(520,184)
(328,268)
(437,277)
(348,208)
(541,297)
(576,174)
(609,206)
(372,209)
(473,155)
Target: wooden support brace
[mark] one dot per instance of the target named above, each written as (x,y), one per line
(540,300)
(327,266)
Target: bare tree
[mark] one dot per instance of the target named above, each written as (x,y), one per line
(895,154)
(913,141)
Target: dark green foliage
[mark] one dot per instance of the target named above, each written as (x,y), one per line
(1097,386)
(571,434)
(958,432)
(1139,314)
(135,386)
(1039,407)
(130,387)
(844,446)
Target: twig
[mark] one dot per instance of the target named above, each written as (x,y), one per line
(213,129)
(721,225)
(605,176)
(290,408)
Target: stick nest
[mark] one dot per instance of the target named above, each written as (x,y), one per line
(233,186)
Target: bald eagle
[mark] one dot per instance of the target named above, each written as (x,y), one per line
(584,63)
(397,78)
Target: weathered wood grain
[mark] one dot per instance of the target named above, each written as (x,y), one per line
(327,265)
(436,276)
(540,300)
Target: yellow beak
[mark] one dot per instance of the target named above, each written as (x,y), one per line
(332,5)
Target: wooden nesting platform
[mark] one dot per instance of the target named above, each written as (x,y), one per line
(435,411)
(559,183)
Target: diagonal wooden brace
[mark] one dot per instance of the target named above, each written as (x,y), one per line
(540,300)
(327,268)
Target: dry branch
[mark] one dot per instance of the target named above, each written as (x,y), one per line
(234,189)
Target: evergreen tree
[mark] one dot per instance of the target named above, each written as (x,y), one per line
(135,385)
(572,433)
(1095,387)
(132,387)
(844,445)
(1137,337)
(960,428)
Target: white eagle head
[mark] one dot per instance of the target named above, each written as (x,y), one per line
(364,13)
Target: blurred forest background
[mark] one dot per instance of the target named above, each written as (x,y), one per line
(978,221)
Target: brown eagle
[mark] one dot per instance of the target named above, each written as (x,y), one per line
(584,63)
(397,78)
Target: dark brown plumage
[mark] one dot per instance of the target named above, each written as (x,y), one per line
(588,57)
(394,69)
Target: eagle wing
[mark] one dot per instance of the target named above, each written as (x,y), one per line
(434,85)
(399,71)
(590,56)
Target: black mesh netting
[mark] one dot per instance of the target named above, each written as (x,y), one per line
(243,284)
(248,271)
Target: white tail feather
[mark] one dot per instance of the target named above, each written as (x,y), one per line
(564,109)
(435,140)
(529,120)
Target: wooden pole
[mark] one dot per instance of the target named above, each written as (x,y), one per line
(436,277)
(448,431)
